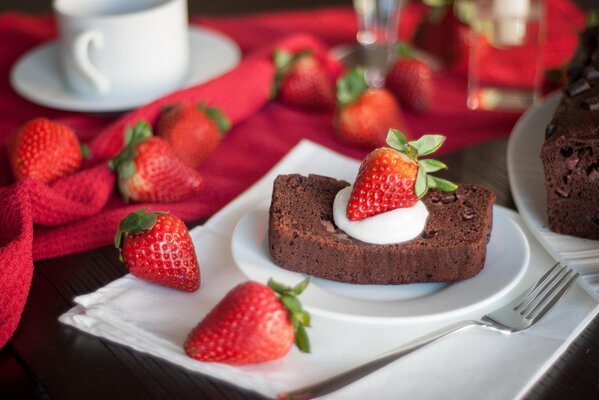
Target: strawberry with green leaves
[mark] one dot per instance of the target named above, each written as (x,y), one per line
(156,246)
(411,81)
(193,131)
(364,115)
(302,81)
(149,170)
(45,150)
(253,323)
(394,177)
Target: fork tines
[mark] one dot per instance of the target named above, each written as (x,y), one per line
(545,293)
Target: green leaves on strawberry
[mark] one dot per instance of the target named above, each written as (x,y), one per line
(425,145)
(393,177)
(253,323)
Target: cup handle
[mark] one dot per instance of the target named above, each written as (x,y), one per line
(81,47)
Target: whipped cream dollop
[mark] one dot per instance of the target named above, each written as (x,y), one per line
(395,226)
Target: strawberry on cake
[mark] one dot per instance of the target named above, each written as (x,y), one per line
(396,224)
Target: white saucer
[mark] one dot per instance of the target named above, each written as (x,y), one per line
(507,258)
(37,76)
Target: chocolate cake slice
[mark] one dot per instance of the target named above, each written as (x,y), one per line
(303,236)
(570,153)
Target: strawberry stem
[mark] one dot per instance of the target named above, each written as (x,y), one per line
(299,318)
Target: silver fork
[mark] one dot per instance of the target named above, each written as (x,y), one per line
(519,314)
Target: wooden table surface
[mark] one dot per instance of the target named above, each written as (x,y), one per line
(48,360)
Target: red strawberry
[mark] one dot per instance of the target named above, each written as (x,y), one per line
(192,131)
(156,246)
(443,35)
(302,81)
(45,151)
(411,81)
(149,170)
(393,177)
(253,323)
(364,115)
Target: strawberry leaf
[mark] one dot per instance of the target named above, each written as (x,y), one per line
(430,165)
(351,86)
(421,185)
(304,318)
(397,140)
(298,318)
(404,50)
(86,152)
(442,184)
(291,303)
(278,287)
(126,169)
(300,287)
(301,339)
(217,115)
(134,222)
(427,144)
(282,58)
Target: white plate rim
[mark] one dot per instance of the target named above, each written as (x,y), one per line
(310,297)
(69,101)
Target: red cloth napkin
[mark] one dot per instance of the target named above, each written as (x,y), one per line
(82,211)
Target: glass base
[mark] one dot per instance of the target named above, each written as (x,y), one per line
(497,98)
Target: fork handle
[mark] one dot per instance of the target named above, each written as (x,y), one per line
(345,378)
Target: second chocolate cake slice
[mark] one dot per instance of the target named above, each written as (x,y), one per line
(303,236)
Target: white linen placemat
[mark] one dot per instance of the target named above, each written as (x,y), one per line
(472,364)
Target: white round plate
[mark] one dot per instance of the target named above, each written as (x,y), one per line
(507,258)
(527,184)
(37,76)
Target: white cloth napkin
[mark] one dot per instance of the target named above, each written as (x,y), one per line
(469,365)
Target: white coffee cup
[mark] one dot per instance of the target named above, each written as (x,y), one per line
(122,47)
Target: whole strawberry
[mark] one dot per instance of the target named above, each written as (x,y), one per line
(156,246)
(44,150)
(149,170)
(411,81)
(393,177)
(302,81)
(364,115)
(443,35)
(193,131)
(253,323)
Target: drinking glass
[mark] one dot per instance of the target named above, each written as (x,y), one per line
(377,35)
(505,57)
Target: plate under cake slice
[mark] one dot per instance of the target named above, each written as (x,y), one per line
(303,236)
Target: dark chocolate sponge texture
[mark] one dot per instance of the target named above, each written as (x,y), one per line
(303,237)
(570,153)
